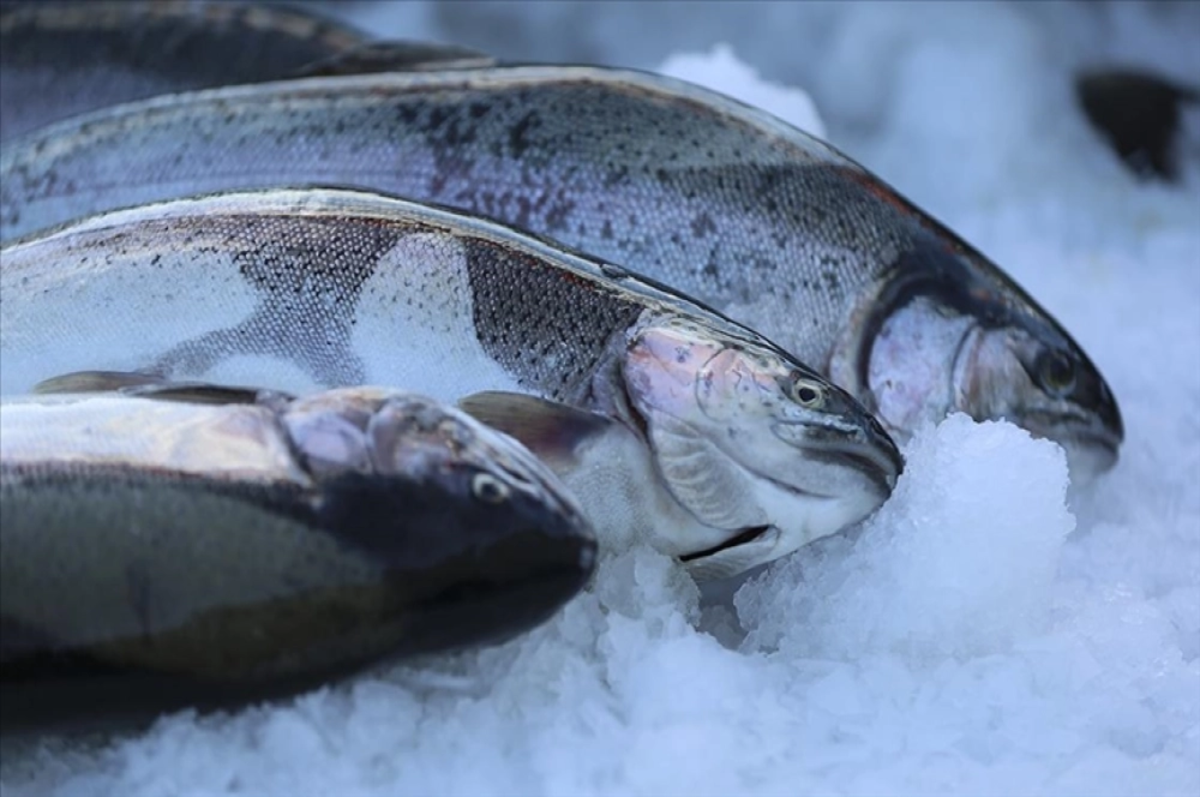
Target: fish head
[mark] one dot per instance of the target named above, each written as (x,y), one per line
(1045,384)
(952,334)
(751,441)
(486,540)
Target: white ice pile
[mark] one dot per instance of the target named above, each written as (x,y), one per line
(985,633)
(959,563)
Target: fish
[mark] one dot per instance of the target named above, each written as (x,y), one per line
(723,202)
(59,59)
(165,548)
(1139,114)
(307,289)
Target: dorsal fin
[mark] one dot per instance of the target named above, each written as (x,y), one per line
(398,56)
(151,386)
(97,382)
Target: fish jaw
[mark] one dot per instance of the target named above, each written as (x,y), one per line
(745,437)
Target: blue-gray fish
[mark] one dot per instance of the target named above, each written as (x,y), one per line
(157,551)
(58,59)
(299,290)
(721,201)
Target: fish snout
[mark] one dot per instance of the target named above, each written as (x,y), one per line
(858,445)
(881,450)
(469,558)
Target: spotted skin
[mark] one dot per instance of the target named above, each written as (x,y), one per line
(332,288)
(521,323)
(720,201)
(298,273)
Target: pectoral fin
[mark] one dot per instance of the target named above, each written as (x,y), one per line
(398,56)
(97,382)
(553,431)
(150,386)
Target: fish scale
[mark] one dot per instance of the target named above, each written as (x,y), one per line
(521,323)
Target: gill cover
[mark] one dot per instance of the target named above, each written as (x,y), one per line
(671,380)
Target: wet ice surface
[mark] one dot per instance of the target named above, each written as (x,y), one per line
(988,632)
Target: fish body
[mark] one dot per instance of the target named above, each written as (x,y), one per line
(58,59)
(721,201)
(310,289)
(203,552)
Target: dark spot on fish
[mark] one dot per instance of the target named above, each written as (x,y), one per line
(407,114)
(712,268)
(556,216)
(703,224)
(518,140)
(616,176)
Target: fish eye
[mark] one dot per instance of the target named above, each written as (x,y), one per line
(807,394)
(1056,372)
(488,488)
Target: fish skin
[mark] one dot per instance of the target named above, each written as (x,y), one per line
(58,59)
(307,289)
(721,201)
(250,550)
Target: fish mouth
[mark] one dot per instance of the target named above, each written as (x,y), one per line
(741,538)
(1085,440)
(878,459)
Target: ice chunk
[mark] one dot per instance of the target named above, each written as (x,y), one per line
(720,70)
(960,561)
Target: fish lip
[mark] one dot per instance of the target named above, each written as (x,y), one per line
(747,534)
(1092,434)
(877,458)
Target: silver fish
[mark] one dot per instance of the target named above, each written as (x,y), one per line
(58,59)
(299,290)
(153,547)
(721,201)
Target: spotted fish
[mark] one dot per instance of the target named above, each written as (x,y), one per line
(308,289)
(723,202)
